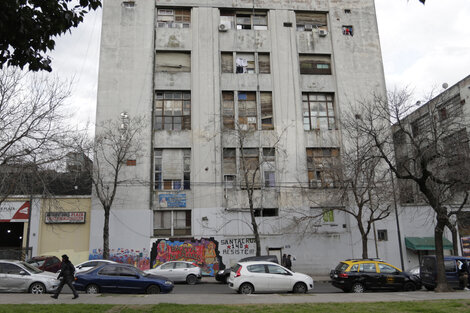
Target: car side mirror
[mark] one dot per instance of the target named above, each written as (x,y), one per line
(23,273)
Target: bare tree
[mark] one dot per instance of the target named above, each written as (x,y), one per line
(428,152)
(116,143)
(364,180)
(31,124)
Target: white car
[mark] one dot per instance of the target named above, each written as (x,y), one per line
(19,276)
(178,271)
(259,276)
(87,265)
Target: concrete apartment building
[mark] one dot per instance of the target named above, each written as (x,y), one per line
(199,70)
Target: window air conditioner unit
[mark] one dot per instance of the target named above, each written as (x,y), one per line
(223,27)
(308,26)
(323,32)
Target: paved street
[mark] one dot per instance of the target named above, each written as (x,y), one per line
(210,292)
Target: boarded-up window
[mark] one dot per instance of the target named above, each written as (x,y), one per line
(228,110)
(263,63)
(249,159)
(173,18)
(227,62)
(172,110)
(252,20)
(173,62)
(322,166)
(229,161)
(247,110)
(266,111)
(269,167)
(172,169)
(307,21)
(315,64)
(318,111)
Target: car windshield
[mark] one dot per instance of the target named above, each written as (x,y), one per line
(36,263)
(31,268)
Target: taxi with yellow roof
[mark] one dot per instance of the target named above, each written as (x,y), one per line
(359,275)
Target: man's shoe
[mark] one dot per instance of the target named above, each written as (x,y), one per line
(75,297)
(54,296)
(467,289)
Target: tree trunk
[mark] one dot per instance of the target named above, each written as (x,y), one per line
(455,239)
(441,280)
(255,227)
(106,233)
(365,252)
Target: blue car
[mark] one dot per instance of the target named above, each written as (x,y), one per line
(121,278)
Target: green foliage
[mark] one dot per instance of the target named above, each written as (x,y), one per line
(28,28)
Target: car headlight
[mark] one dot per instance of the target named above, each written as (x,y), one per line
(169,283)
(220,272)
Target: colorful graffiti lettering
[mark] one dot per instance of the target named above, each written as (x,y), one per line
(203,252)
(138,258)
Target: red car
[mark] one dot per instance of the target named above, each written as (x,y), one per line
(46,263)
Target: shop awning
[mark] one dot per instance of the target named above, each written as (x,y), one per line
(425,243)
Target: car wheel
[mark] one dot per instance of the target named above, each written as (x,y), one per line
(93,289)
(246,289)
(300,288)
(358,288)
(153,289)
(409,286)
(37,288)
(430,288)
(191,280)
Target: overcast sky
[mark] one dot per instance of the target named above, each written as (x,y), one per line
(423,46)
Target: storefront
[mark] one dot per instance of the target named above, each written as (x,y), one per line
(14,217)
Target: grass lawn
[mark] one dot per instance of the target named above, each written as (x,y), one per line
(444,306)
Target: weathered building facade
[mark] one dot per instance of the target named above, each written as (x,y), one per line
(277,73)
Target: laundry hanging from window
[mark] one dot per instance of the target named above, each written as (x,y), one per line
(242,65)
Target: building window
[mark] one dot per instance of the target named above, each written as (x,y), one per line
(229,167)
(266,212)
(315,64)
(348,30)
(318,110)
(172,223)
(307,21)
(248,110)
(172,62)
(173,18)
(322,166)
(328,216)
(249,161)
(228,110)
(269,167)
(257,20)
(382,235)
(245,62)
(172,169)
(172,110)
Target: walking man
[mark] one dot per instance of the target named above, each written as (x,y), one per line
(289,262)
(463,274)
(66,272)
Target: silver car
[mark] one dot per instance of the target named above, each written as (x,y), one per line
(178,271)
(19,276)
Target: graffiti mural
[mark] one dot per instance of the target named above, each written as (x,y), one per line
(203,252)
(138,258)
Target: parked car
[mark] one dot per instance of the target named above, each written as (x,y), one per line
(87,265)
(260,276)
(19,276)
(414,270)
(428,271)
(364,274)
(121,278)
(224,274)
(48,263)
(178,271)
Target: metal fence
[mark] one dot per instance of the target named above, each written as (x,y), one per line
(15,253)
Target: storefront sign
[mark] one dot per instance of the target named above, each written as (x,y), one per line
(65,217)
(172,200)
(14,211)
